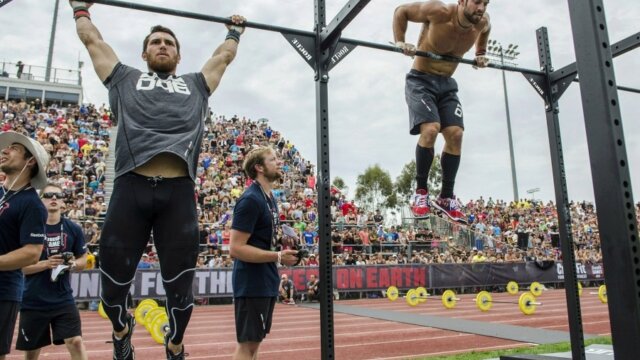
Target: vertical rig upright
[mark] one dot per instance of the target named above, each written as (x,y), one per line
(551,97)
(323,183)
(610,172)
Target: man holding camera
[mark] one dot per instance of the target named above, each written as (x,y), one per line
(48,307)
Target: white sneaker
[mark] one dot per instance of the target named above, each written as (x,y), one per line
(59,270)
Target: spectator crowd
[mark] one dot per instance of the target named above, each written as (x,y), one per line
(77,138)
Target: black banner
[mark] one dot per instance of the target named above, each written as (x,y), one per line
(217,282)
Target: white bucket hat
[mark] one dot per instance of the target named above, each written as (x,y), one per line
(42,157)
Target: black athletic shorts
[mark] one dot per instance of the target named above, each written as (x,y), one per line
(253,317)
(432,98)
(8,315)
(38,326)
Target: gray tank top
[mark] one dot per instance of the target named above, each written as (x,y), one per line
(156,115)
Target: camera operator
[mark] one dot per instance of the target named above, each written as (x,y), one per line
(48,312)
(286,290)
(313,288)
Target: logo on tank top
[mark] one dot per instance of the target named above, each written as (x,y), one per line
(171,85)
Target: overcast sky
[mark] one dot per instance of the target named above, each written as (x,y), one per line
(368,115)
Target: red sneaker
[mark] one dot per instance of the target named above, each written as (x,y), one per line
(450,207)
(420,203)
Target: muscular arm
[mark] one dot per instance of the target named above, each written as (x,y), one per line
(215,67)
(19,258)
(419,12)
(103,57)
(483,39)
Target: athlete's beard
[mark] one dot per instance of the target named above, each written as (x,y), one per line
(167,66)
(470,16)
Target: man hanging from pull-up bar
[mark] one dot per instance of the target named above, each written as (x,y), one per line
(161,118)
(431,92)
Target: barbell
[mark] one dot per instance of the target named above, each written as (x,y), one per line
(412,296)
(526,303)
(535,288)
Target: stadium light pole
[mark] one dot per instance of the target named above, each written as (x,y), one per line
(496,51)
(52,40)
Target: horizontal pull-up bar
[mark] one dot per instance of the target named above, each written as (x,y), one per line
(285,30)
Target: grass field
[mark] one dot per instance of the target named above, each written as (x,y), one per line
(540,349)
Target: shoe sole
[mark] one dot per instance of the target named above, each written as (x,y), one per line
(441,211)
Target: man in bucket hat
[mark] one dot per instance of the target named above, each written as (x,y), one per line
(22,218)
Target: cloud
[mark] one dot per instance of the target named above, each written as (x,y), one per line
(368,116)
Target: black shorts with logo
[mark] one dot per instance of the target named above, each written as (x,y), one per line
(8,315)
(432,98)
(253,317)
(37,327)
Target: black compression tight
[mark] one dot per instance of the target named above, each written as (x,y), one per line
(140,205)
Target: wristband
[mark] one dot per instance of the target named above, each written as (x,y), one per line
(481,52)
(279,257)
(81,12)
(233,35)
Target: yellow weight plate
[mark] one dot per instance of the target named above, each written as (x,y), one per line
(392,293)
(151,315)
(159,328)
(579,289)
(536,288)
(449,299)
(512,287)
(527,303)
(141,311)
(422,294)
(148,301)
(484,301)
(412,298)
(101,311)
(602,294)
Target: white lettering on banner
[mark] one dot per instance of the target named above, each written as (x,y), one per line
(147,281)
(217,283)
(597,271)
(171,85)
(581,271)
(160,286)
(201,278)
(85,285)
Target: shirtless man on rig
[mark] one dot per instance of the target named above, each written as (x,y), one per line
(431,92)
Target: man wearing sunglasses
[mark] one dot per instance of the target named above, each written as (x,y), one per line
(48,312)
(22,217)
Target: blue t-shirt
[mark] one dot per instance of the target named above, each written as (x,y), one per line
(22,219)
(39,291)
(252,214)
(308,237)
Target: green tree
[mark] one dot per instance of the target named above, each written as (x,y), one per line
(339,183)
(374,189)
(406,181)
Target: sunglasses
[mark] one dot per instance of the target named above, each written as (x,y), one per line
(50,195)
